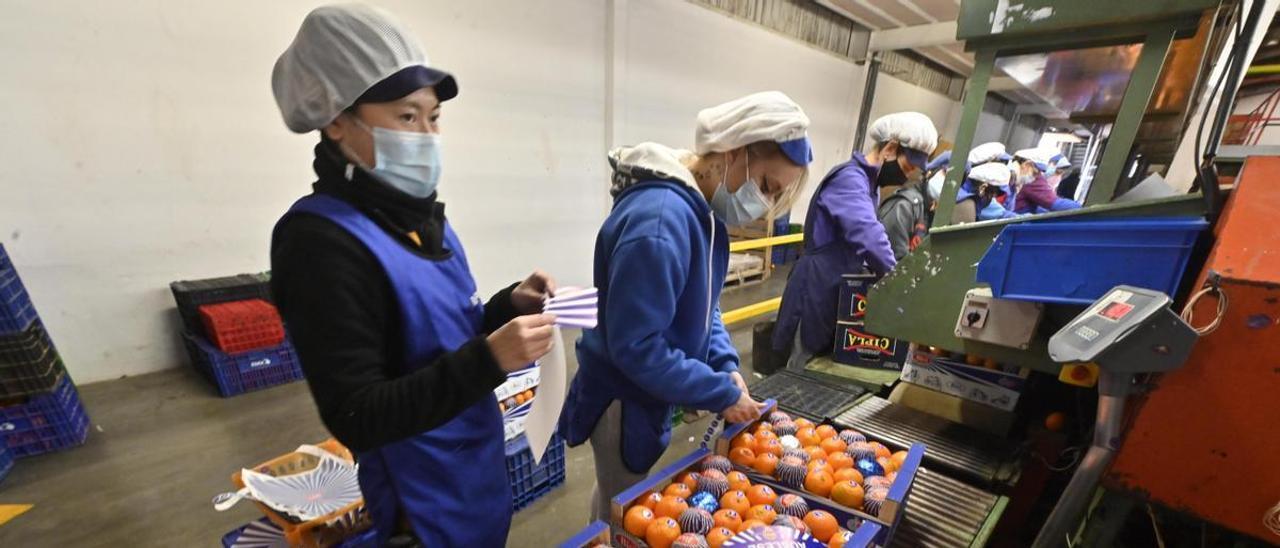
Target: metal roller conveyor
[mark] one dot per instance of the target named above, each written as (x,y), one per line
(945,513)
(962,451)
(802,394)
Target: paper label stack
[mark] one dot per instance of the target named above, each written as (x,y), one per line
(40,409)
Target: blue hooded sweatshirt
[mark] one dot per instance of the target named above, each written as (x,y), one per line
(660,262)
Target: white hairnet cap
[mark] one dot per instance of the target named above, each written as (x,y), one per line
(339,53)
(1063,162)
(764,116)
(1041,157)
(910,129)
(993,173)
(987,152)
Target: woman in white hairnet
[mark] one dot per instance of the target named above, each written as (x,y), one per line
(842,233)
(1035,194)
(660,262)
(400,353)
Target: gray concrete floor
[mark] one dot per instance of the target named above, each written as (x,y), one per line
(162,445)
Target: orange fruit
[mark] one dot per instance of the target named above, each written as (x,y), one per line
(690,480)
(815,453)
(839,539)
(802,423)
(825,431)
(671,507)
(972,360)
(736,501)
(808,436)
(638,519)
(738,481)
(765,435)
(718,536)
(520,399)
(750,524)
(898,459)
(819,482)
(821,524)
(764,426)
(765,463)
(840,460)
(763,512)
(881,450)
(848,474)
(769,445)
(661,533)
(884,463)
(816,464)
(678,489)
(744,439)
(528,395)
(848,493)
(1055,421)
(728,518)
(761,494)
(833,445)
(650,500)
(742,456)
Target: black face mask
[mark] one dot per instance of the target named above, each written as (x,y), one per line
(890,174)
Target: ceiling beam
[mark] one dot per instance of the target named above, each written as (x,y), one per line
(917,36)
(1003,83)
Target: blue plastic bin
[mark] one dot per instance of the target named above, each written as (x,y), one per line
(6,459)
(1078,262)
(234,374)
(529,481)
(16,311)
(45,423)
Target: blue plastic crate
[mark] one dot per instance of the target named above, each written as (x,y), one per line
(529,481)
(234,374)
(17,313)
(45,423)
(1078,262)
(6,459)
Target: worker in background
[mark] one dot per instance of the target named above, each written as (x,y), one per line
(935,173)
(979,192)
(660,262)
(400,353)
(1066,180)
(979,200)
(1034,193)
(843,234)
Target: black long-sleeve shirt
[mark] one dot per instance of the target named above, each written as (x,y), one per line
(343,317)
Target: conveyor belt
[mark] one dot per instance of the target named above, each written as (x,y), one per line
(960,450)
(799,394)
(945,513)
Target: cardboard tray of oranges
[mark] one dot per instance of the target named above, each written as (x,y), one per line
(323,531)
(705,499)
(595,535)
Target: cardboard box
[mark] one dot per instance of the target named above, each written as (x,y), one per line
(518,382)
(853,297)
(993,387)
(854,345)
(595,534)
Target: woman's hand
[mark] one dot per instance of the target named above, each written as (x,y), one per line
(745,410)
(522,341)
(529,296)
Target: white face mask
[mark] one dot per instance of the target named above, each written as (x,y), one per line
(743,206)
(409,161)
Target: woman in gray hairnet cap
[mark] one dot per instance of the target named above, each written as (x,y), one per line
(661,259)
(842,233)
(399,351)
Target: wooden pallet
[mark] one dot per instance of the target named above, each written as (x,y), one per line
(746,277)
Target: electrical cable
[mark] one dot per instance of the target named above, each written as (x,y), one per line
(1211,286)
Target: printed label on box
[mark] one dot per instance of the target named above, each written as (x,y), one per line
(987,386)
(855,346)
(517,382)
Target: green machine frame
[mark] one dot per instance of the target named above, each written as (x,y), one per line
(920,300)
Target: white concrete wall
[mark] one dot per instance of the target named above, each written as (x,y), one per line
(143,144)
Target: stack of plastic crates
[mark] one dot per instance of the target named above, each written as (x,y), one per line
(40,409)
(234,334)
(531,481)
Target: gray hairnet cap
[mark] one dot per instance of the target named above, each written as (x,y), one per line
(339,53)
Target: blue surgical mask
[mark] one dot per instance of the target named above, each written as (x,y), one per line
(409,161)
(743,206)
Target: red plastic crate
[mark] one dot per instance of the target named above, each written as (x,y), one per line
(241,326)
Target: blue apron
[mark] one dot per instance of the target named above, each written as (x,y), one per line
(448,483)
(809,301)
